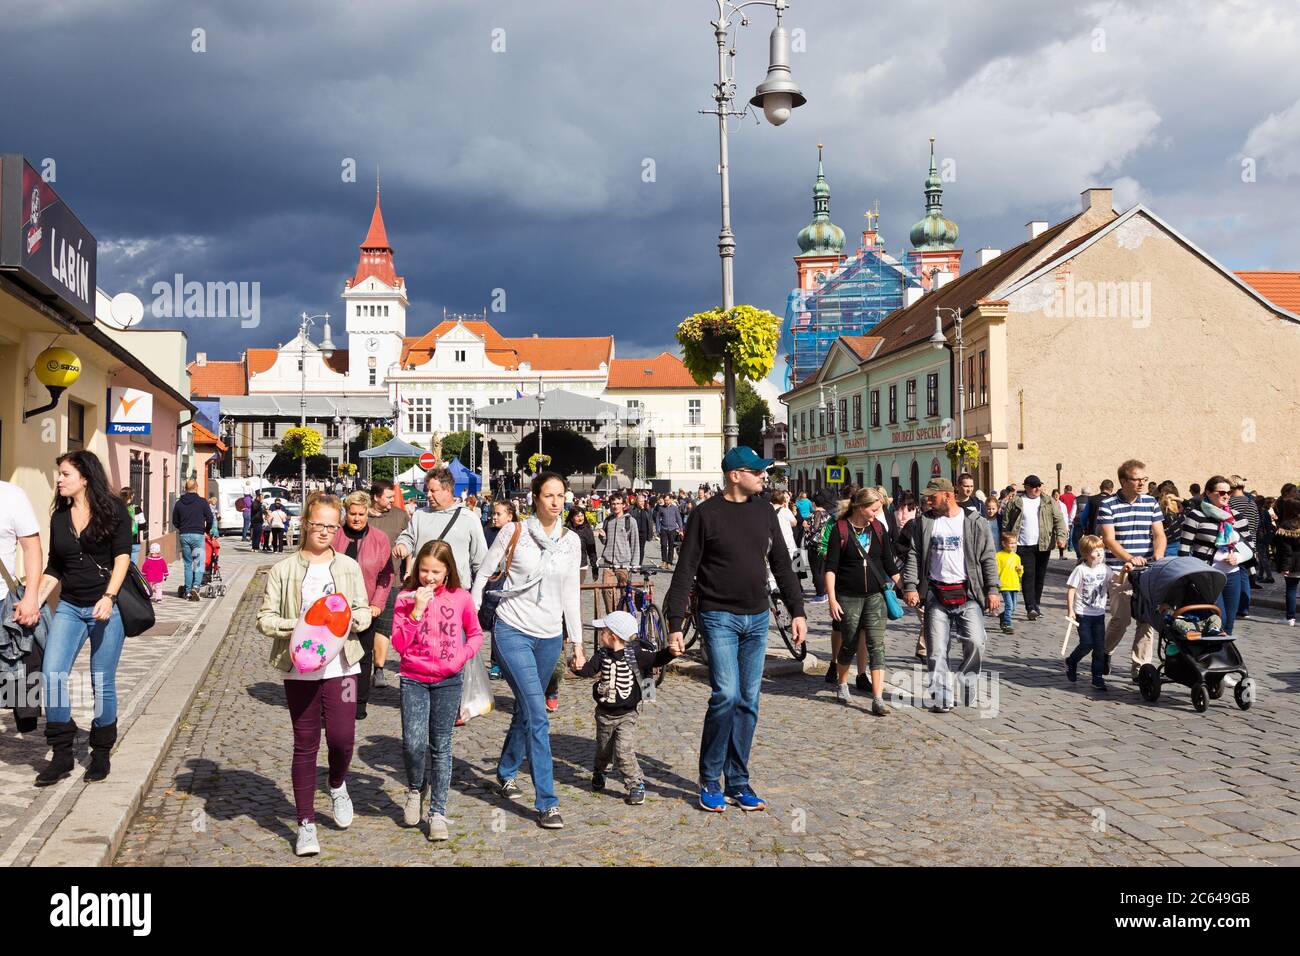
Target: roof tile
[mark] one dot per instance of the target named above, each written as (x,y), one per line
(1280,288)
(664,370)
(218,378)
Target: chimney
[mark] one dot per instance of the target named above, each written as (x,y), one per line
(1036,227)
(987,255)
(200,359)
(534,335)
(912,294)
(1097,199)
(941,279)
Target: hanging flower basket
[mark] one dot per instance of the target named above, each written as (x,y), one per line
(605,469)
(962,453)
(748,334)
(538,463)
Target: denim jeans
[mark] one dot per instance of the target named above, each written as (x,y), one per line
(135,554)
(1092,638)
(192,560)
(1009,601)
(1230,600)
(428,721)
(72,625)
(940,622)
(527,663)
(1292,584)
(737,646)
(1243,604)
(248,518)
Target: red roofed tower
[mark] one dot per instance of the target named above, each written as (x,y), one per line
(375,307)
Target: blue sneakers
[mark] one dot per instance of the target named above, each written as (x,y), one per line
(745,798)
(711,798)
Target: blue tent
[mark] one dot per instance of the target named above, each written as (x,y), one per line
(467,482)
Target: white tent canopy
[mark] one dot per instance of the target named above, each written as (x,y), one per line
(559,406)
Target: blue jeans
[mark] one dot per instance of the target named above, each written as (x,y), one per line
(248,518)
(1243,605)
(72,625)
(428,721)
(135,555)
(1291,585)
(737,646)
(527,663)
(1092,637)
(940,622)
(1230,600)
(1009,600)
(192,560)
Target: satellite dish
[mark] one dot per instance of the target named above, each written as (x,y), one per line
(127,310)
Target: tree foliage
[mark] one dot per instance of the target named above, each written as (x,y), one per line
(750,409)
(570,452)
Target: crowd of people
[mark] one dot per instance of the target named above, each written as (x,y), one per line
(431,584)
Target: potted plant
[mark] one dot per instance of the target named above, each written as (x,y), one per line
(538,463)
(746,333)
(606,469)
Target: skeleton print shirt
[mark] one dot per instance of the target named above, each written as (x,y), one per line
(618,684)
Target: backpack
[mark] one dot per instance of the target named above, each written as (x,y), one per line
(821,530)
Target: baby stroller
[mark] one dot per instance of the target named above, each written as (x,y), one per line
(212,585)
(1176,596)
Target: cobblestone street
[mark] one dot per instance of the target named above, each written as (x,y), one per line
(1047,775)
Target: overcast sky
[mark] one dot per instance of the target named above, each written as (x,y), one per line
(523,169)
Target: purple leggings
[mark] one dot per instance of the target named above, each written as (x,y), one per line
(332,701)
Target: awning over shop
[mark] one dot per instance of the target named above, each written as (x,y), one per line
(559,406)
(289,407)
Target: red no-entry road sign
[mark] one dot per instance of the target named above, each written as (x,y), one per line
(427,460)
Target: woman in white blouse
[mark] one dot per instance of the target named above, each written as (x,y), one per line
(539,605)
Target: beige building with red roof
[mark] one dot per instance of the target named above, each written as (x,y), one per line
(684,418)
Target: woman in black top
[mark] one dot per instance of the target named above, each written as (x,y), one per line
(90,550)
(578,524)
(859,558)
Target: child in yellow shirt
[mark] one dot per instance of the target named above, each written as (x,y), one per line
(1010,571)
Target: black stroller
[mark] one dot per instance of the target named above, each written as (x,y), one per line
(1176,596)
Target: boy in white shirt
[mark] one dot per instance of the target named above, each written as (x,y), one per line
(1086,594)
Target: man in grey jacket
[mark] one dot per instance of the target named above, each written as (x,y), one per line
(621,551)
(951,566)
(445,519)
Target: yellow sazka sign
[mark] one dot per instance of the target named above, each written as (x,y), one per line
(835,474)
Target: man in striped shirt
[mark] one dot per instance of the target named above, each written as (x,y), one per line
(1133,531)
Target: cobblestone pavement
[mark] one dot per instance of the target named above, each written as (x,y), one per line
(28,815)
(1051,777)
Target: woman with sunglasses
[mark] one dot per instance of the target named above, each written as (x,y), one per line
(1215,535)
(328,695)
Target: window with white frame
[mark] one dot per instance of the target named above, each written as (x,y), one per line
(694,415)
(460,355)
(419,416)
(268,429)
(458,412)
(331,430)
(695,457)
(373,374)
(911,399)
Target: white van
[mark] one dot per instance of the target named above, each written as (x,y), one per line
(230,490)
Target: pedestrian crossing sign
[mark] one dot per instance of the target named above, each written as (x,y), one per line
(835,474)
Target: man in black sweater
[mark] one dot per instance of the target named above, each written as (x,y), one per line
(192,518)
(731,538)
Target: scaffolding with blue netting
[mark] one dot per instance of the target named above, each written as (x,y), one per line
(852,301)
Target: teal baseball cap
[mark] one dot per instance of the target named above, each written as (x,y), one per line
(742,456)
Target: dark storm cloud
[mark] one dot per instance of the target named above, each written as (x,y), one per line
(522,169)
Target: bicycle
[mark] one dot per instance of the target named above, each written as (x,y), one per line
(691,627)
(639,601)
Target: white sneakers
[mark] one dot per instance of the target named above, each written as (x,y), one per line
(437,828)
(342,804)
(411,810)
(307,844)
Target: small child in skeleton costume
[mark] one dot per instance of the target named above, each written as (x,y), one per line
(617,692)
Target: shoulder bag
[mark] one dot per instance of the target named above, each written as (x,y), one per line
(487,613)
(893,606)
(133,601)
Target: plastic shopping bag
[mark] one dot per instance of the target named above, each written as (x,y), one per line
(321,633)
(475,691)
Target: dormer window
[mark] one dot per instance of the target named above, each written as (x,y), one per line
(460,355)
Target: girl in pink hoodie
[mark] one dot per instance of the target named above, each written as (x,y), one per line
(436,632)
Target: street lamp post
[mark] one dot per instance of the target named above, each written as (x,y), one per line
(541,401)
(778,94)
(326,350)
(940,341)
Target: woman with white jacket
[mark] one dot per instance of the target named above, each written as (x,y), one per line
(539,605)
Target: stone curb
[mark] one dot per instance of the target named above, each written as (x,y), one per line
(92,831)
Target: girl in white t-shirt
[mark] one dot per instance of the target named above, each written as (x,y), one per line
(1086,593)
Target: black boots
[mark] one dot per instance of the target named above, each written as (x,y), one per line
(101,743)
(60,737)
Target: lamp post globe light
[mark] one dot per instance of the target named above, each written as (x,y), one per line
(777,95)
(326,350)
(940,341)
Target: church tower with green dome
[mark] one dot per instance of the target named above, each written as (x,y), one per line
(934,237)
(821,242)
